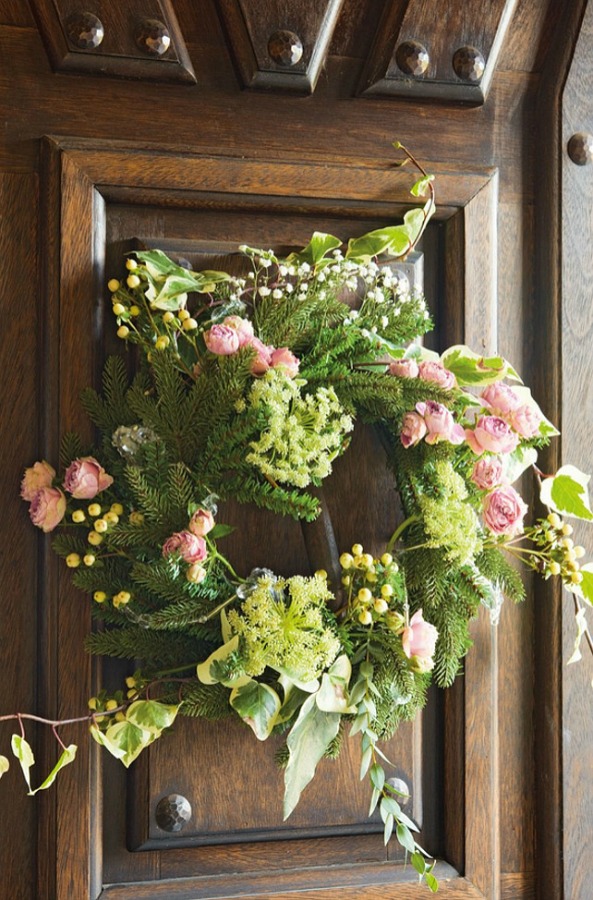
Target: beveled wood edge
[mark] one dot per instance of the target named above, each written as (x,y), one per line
(71,191)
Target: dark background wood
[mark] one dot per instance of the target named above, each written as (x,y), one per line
(272,149)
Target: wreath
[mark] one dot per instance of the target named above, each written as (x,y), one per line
(249,388)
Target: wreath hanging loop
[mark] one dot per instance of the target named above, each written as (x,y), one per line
(250,388)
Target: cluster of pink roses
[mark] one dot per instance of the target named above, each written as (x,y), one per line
(432,421)
(190,544)
(503,508)
(84,479)
(427,370)
(227,338)
(419,640)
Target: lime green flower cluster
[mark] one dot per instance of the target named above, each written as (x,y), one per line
(449,520)
(282,624)
(304,434)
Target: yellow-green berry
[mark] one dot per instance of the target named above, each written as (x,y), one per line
(131,694)
(189,324)
(113,285)
(73,560)
(136,518)
(579,551)
(120,716)
(168,317)
(380,606)
(111,704)
(371,577)
(567,543)
(130,681)
(123,331)
(133,281)
(346,580)
(386,590)
(95,538)
(367,560)
(364,595)
(576,577)
(134,310)
(357,549)
(101,526)
(321,573)
(131,264)
(554,568)
(346,560)
(567,529)
(387,559)
(100,596)
(365,617)
(89,559)
(92,703)
(117,508)
(78,516)
(183,314)
(554,520)
(111,518)
(162,342)
(122,598)
(118,309)
(94,510)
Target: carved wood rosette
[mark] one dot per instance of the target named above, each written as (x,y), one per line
(279,46)
(138,39)
(441,52)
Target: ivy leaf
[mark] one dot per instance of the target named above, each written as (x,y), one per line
(585,588)
(158,264)
(220,531)
(472,369)
(152,715)
(129,738)
(581,623)
(515,463)
(212,671)
(566,493)
(23,752)
(420,188)
(258,705)
(4,765)
(307,741)
(333,693)
(394,240)
(67,756)
(317,248)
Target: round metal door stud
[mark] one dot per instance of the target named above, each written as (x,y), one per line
(580,148)
(173,813)
(285,48)
(468,64)
(85,31)
(153,37)
(412,58)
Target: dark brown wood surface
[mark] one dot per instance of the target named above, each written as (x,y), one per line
(129,159)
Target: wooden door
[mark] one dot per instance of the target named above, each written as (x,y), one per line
(227,137)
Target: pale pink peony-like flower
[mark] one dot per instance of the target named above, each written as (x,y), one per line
(526,420)
(493,434)
(500,398)
(222,340)
(440,423)
(48,507)
(85,478)
(503,511)
(404,368)
(419,640)
(284,359)
(243,327)
(487,472)
(434,371)
(413,429)
(263,358)
(201,522)
(38,476)
(190,547)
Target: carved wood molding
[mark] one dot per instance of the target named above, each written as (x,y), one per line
(137,39)
(275,45)
(447,51)
(80,178)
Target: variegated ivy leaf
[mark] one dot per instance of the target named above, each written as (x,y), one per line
(585,588)
(317,248)
(258,705)
(23,752)
(213,670)
(333,693)
(566,493)
(67,756)
(581,623)
(4,765)
(308,739)
(124,740)
(472,369)
(515,463)
(546,428)
(152,715)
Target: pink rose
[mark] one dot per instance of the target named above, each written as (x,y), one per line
(201,522)
(243,327)
(503,511)
(404,368)
(48,507)
(40,475)
(500,398)
(419,640)
(85,478)
(263,357)
(526,420)
(434,371)
(492,434)
(284,359)
(487,472)
(440,423)
(413,429)
(222,340)
(190,547)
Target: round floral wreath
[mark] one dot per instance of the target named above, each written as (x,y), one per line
(249,389)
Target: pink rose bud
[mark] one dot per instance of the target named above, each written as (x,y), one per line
(48,507)
(487,472)
(243,327)
(419,638)
(284,359)
(503,511)
(413,429)
(201,522)
(492,434)
(190,547)
(85,478)
(440,423)
(263,357)
(434,371)
(40,475)
(526,420)
(404,368)
(222,340)
(500,398)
